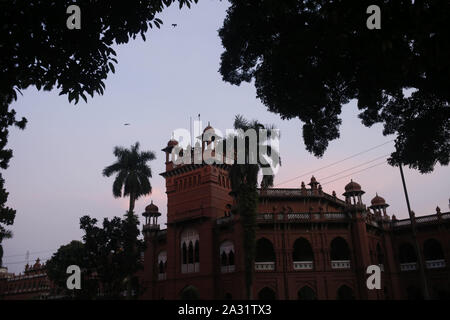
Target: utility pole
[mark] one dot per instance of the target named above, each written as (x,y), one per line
(420,261)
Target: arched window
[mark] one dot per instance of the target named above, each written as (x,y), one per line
(264,251)
(190,252)
(190,247)
(432,250)
(339,249)
(190,293)
(231,258)
(223,259)
(407,254)
(184,253)
(197,251)
(227,256)
(345,293)
(162,262)
(265,255)
(302,250)
(266,294)
(306,293)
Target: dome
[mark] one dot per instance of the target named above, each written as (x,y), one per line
(377,200)
(208,127)
(172,142)
(151,208)
(352,186)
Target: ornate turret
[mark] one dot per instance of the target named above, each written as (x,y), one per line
(353,191)
(151,215)
(379,205)
(313,183)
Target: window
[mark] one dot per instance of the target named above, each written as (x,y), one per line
(432,250)
(162,265)
(306,293)
(227,257)
(345,293)
(302,250)
(266,294)
(190,251)
(407,254)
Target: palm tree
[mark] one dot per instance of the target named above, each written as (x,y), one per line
(133,180)
(244,186)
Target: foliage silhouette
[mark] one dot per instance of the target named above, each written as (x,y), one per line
(308,58)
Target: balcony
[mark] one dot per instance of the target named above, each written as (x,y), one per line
(435,264)
(303,265)
(410,266)
(227,269)
(264,266)
(191,267)
(150,227)
(340,264)
(161,276)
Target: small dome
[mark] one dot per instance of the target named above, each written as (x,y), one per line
(377,201)
(208,127)
(151,208)
(352,186)
(172,142)
(313,182)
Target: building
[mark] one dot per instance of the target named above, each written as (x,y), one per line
(33,284)
(310,244)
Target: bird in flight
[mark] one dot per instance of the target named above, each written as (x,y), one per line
(126,124)
(174,25)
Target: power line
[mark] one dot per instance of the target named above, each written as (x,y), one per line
(334,163)
(30,253)
(375,165)
(354,167)
(25,261)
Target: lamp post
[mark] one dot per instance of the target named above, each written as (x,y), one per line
(420,261)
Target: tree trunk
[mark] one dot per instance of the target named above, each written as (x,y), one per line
(129,216)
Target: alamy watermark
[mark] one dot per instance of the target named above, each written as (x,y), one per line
(261,147)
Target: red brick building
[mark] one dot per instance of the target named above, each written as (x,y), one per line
(310,244)
(33,284)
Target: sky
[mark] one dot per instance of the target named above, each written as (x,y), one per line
(55,175)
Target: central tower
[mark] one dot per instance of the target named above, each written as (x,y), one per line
(197,194)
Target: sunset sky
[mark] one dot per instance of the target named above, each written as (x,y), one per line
(55,175)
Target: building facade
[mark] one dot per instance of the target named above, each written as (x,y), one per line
(309,244)
(33,284)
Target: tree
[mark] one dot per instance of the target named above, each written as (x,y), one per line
(73,253)
(132,176)
(7,216)
(37,49)
(308,58)
(113,252)
(244,189)
(103,258)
